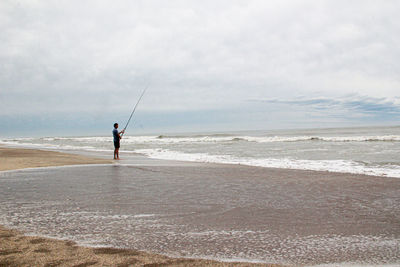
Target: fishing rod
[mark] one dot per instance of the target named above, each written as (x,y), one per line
(133,111)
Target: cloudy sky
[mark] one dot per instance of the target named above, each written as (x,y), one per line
(76,67)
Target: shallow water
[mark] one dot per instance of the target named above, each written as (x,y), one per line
(211,211)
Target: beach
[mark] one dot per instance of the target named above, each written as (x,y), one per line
(18,249)
(184,212)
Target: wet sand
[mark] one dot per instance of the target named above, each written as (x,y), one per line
(298,218)
(193,210)
(17,249)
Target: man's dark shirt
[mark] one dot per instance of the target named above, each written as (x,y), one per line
(115,134)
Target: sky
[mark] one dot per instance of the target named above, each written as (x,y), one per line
(76,67)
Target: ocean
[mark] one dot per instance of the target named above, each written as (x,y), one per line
(366,150)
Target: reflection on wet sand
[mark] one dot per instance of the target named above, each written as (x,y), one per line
(211,211)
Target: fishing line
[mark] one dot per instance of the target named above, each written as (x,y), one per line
(133,111)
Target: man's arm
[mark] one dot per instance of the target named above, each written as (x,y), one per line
(119,134)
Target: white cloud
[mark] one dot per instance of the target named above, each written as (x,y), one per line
(91,56)
(352,105)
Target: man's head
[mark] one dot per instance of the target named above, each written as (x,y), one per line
(116,125)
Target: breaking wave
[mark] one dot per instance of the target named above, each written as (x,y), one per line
(53,146)
(261,139)
(161,139)
(342,166)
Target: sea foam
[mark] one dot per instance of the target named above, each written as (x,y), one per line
(342,166)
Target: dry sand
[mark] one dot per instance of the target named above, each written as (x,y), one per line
(19,250)
(12,158)
(16,249)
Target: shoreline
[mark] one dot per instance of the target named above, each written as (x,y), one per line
(18,249)
(73,156)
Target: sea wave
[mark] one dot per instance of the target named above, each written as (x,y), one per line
(53,146)
(93,139)
(161,139)
(268,139)
(239,138)
(341,166)
(384,138)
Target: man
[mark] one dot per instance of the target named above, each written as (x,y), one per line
(117,137)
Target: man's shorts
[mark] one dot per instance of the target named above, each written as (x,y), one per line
(116,144)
